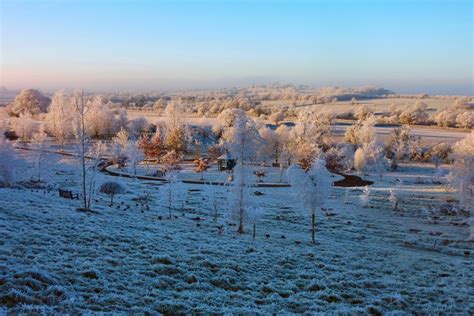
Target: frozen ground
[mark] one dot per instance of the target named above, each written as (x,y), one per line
(129,259)
(426,133)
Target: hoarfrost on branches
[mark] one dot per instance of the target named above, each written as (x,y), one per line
(312,187)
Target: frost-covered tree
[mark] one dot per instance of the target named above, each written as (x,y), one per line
(38,142)
(59,118)
(171,160)
(362,132)
(134,155)
(271,145)
(171,189)
(277,116)
(100,120)
(111,189)
(359,160)
(31,102)
(94,155)
(471,229)
(254,214)
(395,195)
(24,126)
(120,144)
(369,157)
(312,187)
(308,136)
(175,133)
(440,153)
(10,163)
(340,158)
(393,199)
(242,139)
(126,150)
(122,119)
(286,147)
(367,130)
(456,115)
(374,157)
(363,112)
(465,119)
(399,144)
(241,199)
(82,140)
(365,196)
(214,199)
(138,126)
(461,103)
(462,175)
(415,115)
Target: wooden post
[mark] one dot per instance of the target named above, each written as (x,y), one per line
(254,230)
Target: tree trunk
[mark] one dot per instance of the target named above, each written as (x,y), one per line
(254,230)
(313,227)
(82,146)
(83,162)
(241,228)
(241,205)
(169,205)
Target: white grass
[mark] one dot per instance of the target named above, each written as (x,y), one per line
(129,260)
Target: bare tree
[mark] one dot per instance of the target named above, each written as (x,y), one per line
(94,156)
(38,141)
(171,189)
(82,140)
(213,194)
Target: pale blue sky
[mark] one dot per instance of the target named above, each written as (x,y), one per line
(408,46)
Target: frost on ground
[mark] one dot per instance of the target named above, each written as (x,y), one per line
(128,259)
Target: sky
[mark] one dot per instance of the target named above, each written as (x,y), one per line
(105,45)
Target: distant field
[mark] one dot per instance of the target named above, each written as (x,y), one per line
(377,105)
(429,135)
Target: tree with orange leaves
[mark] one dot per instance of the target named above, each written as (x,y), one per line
(201,166)
(152,148)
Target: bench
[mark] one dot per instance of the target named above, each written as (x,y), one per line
(68,194)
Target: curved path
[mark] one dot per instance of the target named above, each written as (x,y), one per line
(351,181)
(127,175)
(348,181)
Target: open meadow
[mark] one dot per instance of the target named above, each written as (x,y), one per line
(236,157)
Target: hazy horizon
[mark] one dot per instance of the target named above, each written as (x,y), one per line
(404,46)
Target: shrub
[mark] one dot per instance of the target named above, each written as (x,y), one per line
(112,188)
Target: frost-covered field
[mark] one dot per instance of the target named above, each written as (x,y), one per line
(125,258)
(377,105)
